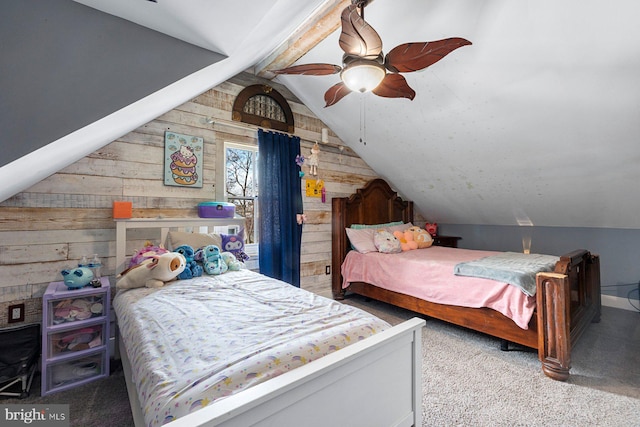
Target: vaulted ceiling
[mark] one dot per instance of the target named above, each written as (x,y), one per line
(538,121)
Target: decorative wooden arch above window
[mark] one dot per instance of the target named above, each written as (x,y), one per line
(262,105)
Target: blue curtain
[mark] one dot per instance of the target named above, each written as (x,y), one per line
(280,193)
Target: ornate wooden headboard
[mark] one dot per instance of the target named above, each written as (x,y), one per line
(375,203)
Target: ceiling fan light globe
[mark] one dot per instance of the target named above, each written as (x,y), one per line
(363,76)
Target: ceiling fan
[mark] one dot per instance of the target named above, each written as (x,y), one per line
(365,68)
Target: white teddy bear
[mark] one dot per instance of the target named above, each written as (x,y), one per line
(154,272)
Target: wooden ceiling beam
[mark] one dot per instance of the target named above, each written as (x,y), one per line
(317,27)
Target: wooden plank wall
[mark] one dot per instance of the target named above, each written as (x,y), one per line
(51,225)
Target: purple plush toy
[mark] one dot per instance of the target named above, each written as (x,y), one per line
(234,243)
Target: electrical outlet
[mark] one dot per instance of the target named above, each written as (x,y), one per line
(16,313)
(327,269)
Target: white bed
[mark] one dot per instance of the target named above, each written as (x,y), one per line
(375,380)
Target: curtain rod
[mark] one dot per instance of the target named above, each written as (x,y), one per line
(248,126)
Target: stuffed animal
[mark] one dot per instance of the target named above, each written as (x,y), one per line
(154,272)
(313,160)
(406,240)
(212,262)
(148,251)
(234,243)
(192,269)
(232,262)
(386,242)
(77,278)
(421,237)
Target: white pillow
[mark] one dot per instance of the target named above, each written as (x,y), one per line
(362,239)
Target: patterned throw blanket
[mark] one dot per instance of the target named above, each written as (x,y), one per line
(514,268)
(193,342)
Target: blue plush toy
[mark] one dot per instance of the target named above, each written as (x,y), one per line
(77,278)
(192,269)
(232,262)
(211,260)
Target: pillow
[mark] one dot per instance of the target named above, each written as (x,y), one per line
(402,227)
(362,239)
(377,226)
(386,242)
(195,240)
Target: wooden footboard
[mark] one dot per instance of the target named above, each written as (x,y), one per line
(568,299)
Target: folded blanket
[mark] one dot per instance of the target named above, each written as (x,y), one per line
(510,267)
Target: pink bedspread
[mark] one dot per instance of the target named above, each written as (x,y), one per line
(428,274)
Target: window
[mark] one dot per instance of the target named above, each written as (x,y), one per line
(263,106)
(241,185)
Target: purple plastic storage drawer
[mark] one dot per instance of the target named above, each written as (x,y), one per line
(216,210)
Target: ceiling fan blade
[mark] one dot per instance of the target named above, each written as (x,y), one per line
(394,86)
(409,57)
(336,93)
(358,38)
(310,69)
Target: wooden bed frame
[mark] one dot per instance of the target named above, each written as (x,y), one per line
(568,299)
(378,379)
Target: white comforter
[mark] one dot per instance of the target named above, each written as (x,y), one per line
(195,341)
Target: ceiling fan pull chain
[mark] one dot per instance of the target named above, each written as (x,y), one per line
(363,121)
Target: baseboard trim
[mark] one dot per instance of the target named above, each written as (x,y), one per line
(618,302)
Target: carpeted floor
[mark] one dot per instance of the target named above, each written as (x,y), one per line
(101,403)
(467,380)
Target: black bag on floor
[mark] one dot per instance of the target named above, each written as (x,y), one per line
(19,353)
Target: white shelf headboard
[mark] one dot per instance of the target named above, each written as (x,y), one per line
(202,225)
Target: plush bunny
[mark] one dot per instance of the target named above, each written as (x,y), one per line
(153,272)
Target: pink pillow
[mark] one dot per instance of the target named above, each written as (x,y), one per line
(362,239)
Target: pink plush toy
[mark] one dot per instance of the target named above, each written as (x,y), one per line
(149,251)
(406,240)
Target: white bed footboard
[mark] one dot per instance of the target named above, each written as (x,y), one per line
(374,382)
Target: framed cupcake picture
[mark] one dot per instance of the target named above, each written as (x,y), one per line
(183,160)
